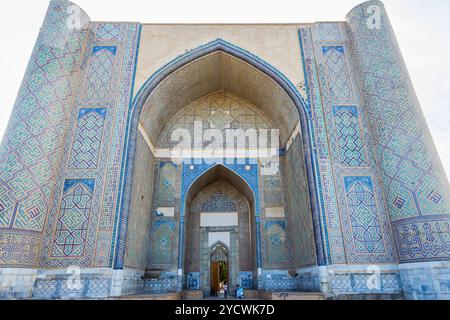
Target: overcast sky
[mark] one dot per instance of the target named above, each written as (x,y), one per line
(422,28)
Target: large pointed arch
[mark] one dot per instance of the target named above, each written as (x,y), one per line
(136,107)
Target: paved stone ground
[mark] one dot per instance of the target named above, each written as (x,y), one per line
(219,298)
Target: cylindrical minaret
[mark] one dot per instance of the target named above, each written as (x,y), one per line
(416,188)
(31,147)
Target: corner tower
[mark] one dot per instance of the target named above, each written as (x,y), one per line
(31,149)
(416,187)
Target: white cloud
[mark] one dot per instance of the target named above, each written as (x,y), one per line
(422,28)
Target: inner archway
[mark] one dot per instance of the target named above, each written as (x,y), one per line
(219,267)
(220,227)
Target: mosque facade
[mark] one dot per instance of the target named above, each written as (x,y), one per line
(168,158)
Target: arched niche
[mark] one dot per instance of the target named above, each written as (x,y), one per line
(218,66)
(220,208)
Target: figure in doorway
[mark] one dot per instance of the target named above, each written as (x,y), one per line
(225,290)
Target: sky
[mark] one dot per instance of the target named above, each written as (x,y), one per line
(422,28)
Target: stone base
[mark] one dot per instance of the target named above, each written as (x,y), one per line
(426,280)
(161,296)
(252,294)
(16,283)
(192,295)
(127,282)
(167,282)
(337,280)
(277,280)
(372,297)
(67,284)
(304,296)
(415,281)
(95,283)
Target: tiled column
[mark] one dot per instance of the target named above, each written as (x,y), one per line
(31,147)
(416,187)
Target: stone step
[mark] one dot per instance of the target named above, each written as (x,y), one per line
(375,296)
(249,295)
(291,295)
(154,296)
(192,295)
(260,295)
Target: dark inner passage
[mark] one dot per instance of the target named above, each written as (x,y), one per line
(219,276)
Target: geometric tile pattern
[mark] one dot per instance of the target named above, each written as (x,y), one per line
(350,145)
(112,235)
(31,148)
(212,112)
(219,202)
(108,31)
(193,280)
(73,219)
(159,286)
(338,76)
(220,119)
(358,283)
(363,212)
(278,281)
(276,243)
(191,173)
(162,243)
(81,230)
(326,221)
(341,281)
(88,138)
(246,279)
(273,189)
(92,287)
(17,248)
(349,137)
(365,219)
(163,238)
(100,73)
(415,182)
(280,284)
(167,185)
(7,204)
(328,31)
(297,229)
(423,239)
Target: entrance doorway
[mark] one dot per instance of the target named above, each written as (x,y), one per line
(219,276)
(220,231)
